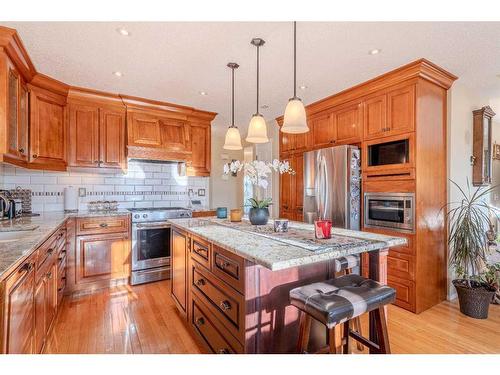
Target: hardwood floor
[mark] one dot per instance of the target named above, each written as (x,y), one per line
(143,319)
(138,319)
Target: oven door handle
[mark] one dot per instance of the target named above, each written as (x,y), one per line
(151,226)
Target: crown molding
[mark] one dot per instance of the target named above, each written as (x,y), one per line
(11,43)
(422,68)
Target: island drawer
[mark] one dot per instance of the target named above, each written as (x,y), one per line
(102,225)
(46,254)
(228,267)
(222,300)
(200,251)
(211,330)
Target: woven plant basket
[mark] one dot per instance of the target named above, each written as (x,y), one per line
(475,301)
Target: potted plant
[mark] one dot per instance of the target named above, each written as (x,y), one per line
(259,213)
(468,219)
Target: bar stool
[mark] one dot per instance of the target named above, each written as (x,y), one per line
(340,300)
(345,265)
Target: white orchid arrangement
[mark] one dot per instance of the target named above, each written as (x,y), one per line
(258,171)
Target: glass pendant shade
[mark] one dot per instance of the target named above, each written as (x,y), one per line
(233,139)
(257,130)
(295,117)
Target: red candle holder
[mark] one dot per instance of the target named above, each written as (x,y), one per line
(323,229)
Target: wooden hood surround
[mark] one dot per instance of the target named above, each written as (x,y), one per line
(134,127)
(408,103)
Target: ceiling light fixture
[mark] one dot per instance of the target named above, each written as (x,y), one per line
(295,121)
(233,137)
(118,74)
(374,51)
(123,31)
(303,87)
(257,130)
(203,93)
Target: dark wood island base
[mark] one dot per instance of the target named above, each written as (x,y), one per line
(233,305)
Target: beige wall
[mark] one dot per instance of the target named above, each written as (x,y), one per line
(224,193)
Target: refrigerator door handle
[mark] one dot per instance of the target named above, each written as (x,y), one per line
(321,188)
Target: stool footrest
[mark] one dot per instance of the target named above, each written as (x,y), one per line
(364,340)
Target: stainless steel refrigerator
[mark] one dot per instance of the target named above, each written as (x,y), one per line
(332,186)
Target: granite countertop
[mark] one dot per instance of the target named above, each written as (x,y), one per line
(35,230)
(280,252)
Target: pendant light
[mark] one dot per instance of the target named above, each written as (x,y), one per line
(257,130)
(233,137)
(295,114)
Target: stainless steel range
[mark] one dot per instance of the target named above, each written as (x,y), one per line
(151,242)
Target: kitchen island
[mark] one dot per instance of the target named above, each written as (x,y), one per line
(231,280)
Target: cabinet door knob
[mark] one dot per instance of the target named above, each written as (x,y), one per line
(103,225)
(200,282)
(223,351)
(225,305)
(35,156)
(21,150)
(200,321)
(49,275)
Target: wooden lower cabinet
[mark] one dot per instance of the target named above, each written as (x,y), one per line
(19,310)
(102,257)
(30,298)
(179,253)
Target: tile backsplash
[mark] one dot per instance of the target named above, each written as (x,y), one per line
(144,185)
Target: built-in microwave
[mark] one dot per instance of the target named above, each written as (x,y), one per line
(387,153)
(395,211)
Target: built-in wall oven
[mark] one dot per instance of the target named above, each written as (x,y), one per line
(151,243)
(395,211)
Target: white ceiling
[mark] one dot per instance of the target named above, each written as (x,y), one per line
(174,61)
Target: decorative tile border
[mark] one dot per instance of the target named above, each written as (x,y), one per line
(94,193)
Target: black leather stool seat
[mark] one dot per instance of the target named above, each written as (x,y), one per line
(337,300)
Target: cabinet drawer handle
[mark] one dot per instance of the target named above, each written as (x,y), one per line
(200,251)
(35,156)
(200,282)
(200,321)
(223,351)
(26,267)
(50,251)
(224,265)
(49,275)
(225,305)
(60,289)
(21,150)
(103,225)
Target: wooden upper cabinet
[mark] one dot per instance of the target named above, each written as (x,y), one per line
(47,130)
(112,138)
(83,135)
(96,136)
(348,124)
(401,110)
(17,118)
(375,116)
(323,130)
(201,149)
(175,134)
(286,142)
(143,130)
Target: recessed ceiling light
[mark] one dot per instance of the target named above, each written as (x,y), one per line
(374,51)
(118,74)
(203,93)
(123,31)
(303,87)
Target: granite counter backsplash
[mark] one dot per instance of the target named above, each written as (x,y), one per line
(277,254)
(35,231)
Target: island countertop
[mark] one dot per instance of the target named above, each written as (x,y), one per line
(260,246)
